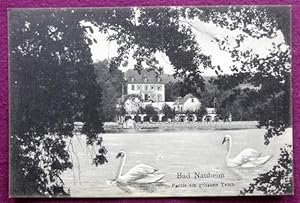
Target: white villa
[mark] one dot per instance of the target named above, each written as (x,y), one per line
(186,103)
(147,88)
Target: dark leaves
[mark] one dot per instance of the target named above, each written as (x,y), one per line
(56,86)
(277,181)
(99,160)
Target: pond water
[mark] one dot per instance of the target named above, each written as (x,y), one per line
(172,152)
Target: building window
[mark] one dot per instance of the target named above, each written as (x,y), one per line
(158,79)
(132,79)
(146,87)
(192,100)
(159,97)
(132,87)
(138,87)
(145,79)
(152,87)
(146,97)
(152,97)
(159,87)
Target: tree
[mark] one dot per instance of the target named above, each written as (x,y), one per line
(164,30)
(168,112)
(52,85)
(239,105)
(201,112)
(209,94)
(112,82)
(150,111)
(156,29)
(133,103)
(173,90)
(269,79)
(270,75)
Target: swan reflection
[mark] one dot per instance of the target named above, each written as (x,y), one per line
(140,187)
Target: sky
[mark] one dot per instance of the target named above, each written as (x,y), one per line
(205,34)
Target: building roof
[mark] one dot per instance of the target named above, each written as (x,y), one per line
(182,100)
(147,76)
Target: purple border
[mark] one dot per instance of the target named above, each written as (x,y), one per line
(117,3)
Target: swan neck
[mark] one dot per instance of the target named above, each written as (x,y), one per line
(121,166)
(228,149)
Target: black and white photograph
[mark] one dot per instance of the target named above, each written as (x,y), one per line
(150,102)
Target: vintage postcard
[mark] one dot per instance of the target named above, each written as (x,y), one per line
(150,101)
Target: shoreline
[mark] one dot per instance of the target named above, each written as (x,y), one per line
(234,125)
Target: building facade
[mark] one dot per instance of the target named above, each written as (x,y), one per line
(147,85)
(187,103)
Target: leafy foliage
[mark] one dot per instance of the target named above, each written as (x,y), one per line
(269,78)
(268,92)
(201,112)
(168,112)
(237,104)
(156,30)
(53,84)
(172,91)
(100,157)
(277,181)
(269,75)
(255,21)
(120,111)
(112,82)
(150,111)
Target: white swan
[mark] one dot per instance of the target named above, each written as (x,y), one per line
(140,173)
(246,159)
